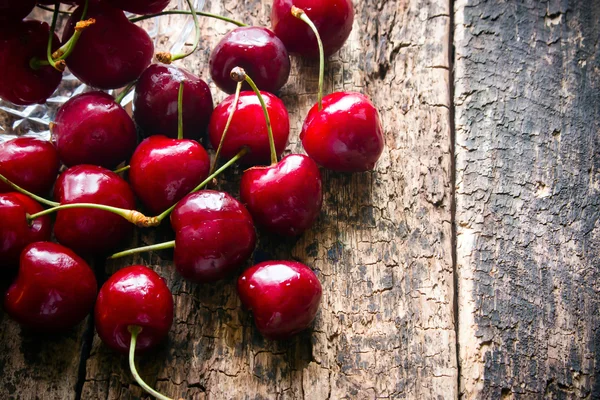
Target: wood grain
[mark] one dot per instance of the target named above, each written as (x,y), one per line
(527,155)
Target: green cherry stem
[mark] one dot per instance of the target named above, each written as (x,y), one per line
(43,7)
(125,92)
(179,12)
(66,49)
(180,111)
(133,216)
(238,74)
(122,169)
(300,14)
(236,99)
(168,58)
(56,65)
(152,247)
(27,193)
(135,331)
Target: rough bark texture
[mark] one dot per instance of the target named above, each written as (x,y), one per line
(527,100)
(382,247)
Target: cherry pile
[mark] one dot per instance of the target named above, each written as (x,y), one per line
(95,147)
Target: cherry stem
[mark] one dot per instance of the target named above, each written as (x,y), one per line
(51,61)
(238,74)
(152,247)
(180,111)
(236,99)
(66,49)
(125,92)
(122,169)
(27,193)
(43,7)
(205,182)
(133,216)
(179,12)
(135,331)
(169,58)
(300,14)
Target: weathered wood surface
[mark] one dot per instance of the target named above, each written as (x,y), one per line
(527,101)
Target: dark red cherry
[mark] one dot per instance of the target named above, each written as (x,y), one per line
(346,135)
(12,11)
(286,197)
(91,128)
(85,230)
(333,19)
(258,51)
(155,102)
(110,53)
(19,82)
(164,170)
(214,236)
(54,291)
(29,163)
(248,127)
(15,231)
(133,296)
(284,297)
(140,6)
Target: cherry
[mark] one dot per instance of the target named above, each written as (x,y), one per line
(20,43)
(140,6)
(164,170)
(54,291)
(133,296)
(346,135)
(30,163)
(284,297)
(15,230)
(110,53)
(155,102)
(332,18)
(248,127)
(15,10)
(286,197)
(262,55)
(91,128)
(92,231)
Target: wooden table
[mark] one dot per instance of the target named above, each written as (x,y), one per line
(466,265)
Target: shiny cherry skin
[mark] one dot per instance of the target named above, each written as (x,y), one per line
(29,163)
(258,51)
(249,128)
(164,170)
(91,128)
(112,52)
(284,297)
(346,135)
(54,291)
(13,11)
(15,231)
(19,83)
(133,296)
(155,102)
(85,230)
(286,197)
(333,19)
(140,6)
(214,236)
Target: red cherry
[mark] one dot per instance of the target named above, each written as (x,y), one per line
(284,297)
(15,10)
(89,231)
(286,197)
(140,6)
(110,53)
(164,170)
(19,82)
(29,163)
(91,128)
(346,135)
(248,127)
(133,296)
(214,236)
(333,19)
(54,291)
(15,230)
(258,51)
(155,102)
